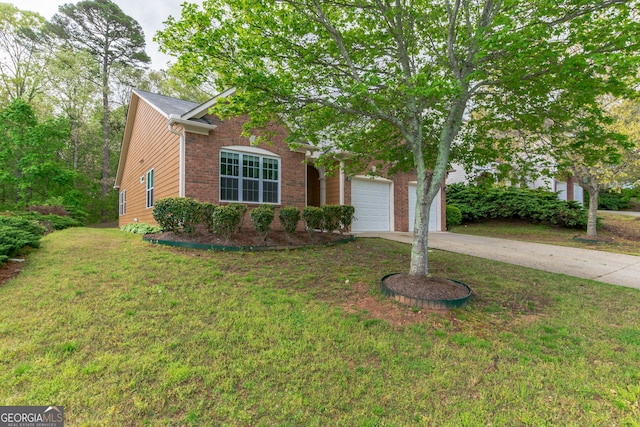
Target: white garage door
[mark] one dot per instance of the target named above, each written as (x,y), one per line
(435,222)
(371,199)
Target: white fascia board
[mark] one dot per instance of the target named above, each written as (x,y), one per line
(191,126)
(203,109)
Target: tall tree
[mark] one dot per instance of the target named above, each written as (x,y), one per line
(21,53)
(71,77)
(111,37)
(404,81)
(30,156)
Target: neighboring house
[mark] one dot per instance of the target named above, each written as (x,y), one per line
(175,148)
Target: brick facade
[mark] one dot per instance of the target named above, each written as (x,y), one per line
(202,169)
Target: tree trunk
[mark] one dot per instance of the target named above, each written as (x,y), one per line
(419,248)
(592,230)
(105,133)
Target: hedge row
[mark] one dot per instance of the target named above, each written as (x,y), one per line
(183,215)
(477,203)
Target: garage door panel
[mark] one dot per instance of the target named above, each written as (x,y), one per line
(371,200)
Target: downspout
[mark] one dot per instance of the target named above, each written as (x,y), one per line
(182,156)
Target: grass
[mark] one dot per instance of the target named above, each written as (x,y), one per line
(125,333)
(621,232)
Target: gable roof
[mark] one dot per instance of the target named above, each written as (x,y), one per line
(165,104)
(188,114)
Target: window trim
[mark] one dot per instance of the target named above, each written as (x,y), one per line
(122,203)
(241,152)
(150,188)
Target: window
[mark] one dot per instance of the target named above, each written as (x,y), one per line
(249,178)
(122,201)
(150,187)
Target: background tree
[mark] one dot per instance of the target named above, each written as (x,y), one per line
(32,171)
(626,121)
(112,38)
(22,54)
(405,82)
(171,83)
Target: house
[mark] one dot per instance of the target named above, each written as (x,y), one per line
(175,148)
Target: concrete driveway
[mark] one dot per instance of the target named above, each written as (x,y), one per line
(616,269)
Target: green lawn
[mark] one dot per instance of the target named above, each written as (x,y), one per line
(124,333)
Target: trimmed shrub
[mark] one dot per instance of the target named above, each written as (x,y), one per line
(262,217)
(226,220)
(347,213)
(177,214)
(140,228)
(331,217)
(206,215)
(312,216)
(242,210)
(289,219)
(454,216)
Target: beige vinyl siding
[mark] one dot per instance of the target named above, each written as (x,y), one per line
(152,146)
(333,189)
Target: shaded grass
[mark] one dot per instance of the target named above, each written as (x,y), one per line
(621,232)
(121,332)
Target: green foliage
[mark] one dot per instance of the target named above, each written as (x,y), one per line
(331,216)
(347,213)
(49,210)
(223,220)
(206,214)
(26,224)
(31,166)
(140,228)
(612,200)
(454,216)
(289,217)
(177,214)
(16,234)
(242,210)
(51,221)
(313,218)
(262,217)
(476,203)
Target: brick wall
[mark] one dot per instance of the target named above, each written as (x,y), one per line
(202,157)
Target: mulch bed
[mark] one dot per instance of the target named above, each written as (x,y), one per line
(425,288)
(249,237)
(9,270)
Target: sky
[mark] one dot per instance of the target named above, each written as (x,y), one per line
(150,14)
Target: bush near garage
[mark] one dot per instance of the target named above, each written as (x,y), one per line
(612,200)
(538,206)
